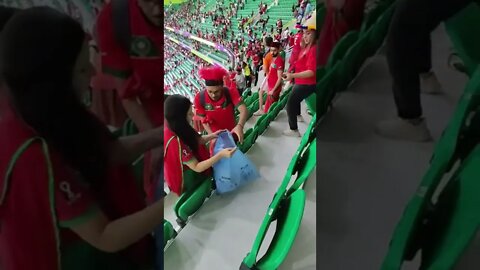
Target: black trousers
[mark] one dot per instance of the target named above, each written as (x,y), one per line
(299,93)
(248,79)
(409,47)
(257,74)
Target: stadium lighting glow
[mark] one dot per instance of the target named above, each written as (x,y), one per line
(217,46)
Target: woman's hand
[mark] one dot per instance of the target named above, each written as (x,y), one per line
(227,152)
(212,136)
(287,76)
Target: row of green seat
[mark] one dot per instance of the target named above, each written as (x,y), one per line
(190,202)
(443,229)
(349,55)
(288,203)
(286,208)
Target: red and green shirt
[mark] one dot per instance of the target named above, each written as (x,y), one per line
(141,66)
(218,114)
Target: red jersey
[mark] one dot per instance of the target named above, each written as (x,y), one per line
(276,65)
(291,41)
(307,60)
(218,114)
(296,48)
(41,189)
(256,59)
(142,67)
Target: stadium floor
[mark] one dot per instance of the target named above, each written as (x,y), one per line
(366,180)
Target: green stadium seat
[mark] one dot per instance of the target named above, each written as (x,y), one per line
(288,212)
(341,48)
(190,201)
(169,232)
(457,140)
(463,32)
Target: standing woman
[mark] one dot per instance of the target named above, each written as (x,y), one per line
(342,16)
(187,161)
(68,197)
(305,77)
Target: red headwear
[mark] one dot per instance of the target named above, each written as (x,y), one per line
(213,76)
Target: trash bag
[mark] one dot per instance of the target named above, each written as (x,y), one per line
(232,173)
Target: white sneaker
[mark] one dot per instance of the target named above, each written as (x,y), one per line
(402,129)
(292,133)
(300,119)
(429,84)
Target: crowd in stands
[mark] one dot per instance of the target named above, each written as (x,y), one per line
(175,56)
(247,45)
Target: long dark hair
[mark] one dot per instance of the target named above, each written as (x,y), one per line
(38,52)
(176,109)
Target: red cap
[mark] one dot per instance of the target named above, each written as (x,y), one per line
(213,74)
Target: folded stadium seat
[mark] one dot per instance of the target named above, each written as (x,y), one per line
(262,124)
(455,220)
(307,139)
(457,140)
(273,111)
(341,48)
(169,232)
(325,89)
(247,92)
(288,212)
(289,218)
(245,146)
(255,106)
(251,139)
(283,101)
(249,101)
(278,108)
(190,201)
(311,132)
(463,32)
(352,62)
(304,166)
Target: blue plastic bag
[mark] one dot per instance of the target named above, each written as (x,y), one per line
(232,173)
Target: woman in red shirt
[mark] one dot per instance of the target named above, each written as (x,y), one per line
(67,193)
(305,77)
(342,16)
(187,161)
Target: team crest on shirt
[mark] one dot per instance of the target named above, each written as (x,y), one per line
(274,65)
(143,47)
(209,107)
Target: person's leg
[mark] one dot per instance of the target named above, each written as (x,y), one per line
(260,99)
(408,50)
(299,93)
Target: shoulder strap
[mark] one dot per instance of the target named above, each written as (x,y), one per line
(202,98)
(226,91)
(121,22)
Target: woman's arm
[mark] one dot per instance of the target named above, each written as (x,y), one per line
(202,166)
(127,149)
(113,236)
(303,75)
